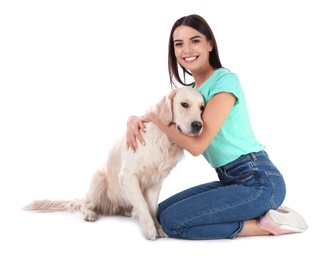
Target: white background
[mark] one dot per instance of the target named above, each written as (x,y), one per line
(72,72)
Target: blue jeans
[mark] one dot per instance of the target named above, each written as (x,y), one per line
(247,188)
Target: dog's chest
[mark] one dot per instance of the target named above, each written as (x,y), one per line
(157,158)
(158,167)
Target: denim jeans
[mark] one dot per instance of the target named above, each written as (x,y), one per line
(247,188)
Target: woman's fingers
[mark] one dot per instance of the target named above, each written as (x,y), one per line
(134,127)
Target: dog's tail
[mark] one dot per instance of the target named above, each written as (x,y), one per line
(57,205)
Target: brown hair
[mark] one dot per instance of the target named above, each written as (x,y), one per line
(198,23)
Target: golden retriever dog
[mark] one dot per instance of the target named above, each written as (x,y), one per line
(129,184)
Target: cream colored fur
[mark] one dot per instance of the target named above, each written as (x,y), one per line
(129,184)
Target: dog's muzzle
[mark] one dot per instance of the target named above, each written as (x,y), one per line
(196,127)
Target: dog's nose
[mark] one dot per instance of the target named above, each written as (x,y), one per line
(196,126)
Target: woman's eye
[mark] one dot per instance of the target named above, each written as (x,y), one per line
(184,104)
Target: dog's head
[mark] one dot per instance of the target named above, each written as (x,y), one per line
(182,106)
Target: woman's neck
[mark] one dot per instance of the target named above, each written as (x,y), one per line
(201,76)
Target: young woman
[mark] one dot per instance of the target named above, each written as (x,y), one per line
(247,198)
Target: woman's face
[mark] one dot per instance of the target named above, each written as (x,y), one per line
(191,48)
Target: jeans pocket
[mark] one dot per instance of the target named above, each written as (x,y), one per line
(239,174)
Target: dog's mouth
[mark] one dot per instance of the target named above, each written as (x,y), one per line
(195,128)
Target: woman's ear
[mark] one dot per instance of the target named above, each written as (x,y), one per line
(210,46)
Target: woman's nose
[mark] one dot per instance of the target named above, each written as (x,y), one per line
(187,49)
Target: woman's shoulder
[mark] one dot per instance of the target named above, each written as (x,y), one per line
(222,80)
(223,75)
(221,72)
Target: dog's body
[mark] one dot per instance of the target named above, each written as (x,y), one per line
(129,184)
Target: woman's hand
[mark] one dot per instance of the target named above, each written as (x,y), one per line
(148,117)
(134,126)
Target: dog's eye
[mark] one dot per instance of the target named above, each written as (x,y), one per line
(202,108)
(185,105)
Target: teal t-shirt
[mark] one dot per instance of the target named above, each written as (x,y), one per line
(236,137)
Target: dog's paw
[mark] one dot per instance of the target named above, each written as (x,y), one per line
(89,215)
(161,233)
(159,230)
(150,234)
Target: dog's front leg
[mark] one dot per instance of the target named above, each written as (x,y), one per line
(152,197)
(134,194)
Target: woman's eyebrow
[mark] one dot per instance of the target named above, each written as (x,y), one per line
(194,37)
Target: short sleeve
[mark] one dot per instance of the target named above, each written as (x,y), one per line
(228,82)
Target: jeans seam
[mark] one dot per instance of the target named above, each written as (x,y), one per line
(267,173)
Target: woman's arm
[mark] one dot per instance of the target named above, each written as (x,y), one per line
(214,115)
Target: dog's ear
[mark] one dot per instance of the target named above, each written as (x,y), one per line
(164,108)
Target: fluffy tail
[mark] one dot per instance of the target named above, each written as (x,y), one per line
(57,205)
